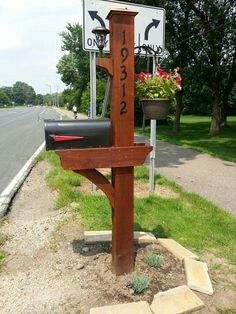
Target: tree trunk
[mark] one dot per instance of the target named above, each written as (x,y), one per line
(227,90)
(216,118)
(178,111)
(223,118)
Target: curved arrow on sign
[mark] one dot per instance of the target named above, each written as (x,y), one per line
(154,23)
(94,15)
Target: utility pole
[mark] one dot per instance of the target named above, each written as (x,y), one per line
(50,89)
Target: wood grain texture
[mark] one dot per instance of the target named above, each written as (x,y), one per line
(122,128)
(107,157)
(106,64)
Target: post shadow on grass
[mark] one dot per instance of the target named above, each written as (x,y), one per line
(158,231)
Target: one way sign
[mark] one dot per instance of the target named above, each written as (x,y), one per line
(149,23)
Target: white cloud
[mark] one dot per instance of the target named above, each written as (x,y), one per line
(20,7)
(30,41)
(10,37)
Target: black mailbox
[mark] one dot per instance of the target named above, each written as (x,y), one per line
(69,134)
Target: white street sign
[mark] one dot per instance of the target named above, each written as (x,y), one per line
(149,23)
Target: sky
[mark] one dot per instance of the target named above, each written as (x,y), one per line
(30,44)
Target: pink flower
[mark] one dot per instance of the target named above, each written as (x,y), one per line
(162,73)
(143,76)
(178,78)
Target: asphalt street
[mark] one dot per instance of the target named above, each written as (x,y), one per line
(21,133)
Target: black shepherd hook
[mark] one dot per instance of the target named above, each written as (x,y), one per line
(148,50)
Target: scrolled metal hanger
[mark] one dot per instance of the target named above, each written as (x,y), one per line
(148,50)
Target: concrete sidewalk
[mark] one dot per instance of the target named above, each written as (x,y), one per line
(211,178)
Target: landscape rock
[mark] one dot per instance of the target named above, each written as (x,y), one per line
(176,301)
(175,248)
(197,276)
(141,307)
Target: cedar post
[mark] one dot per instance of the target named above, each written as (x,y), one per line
(120,66)
(124,154)
(122,124)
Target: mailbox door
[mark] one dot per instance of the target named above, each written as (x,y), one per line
(72,134)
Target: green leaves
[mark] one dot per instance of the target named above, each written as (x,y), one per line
(4,99)
(139,283)
(74,65)
(23,93)
(156,87)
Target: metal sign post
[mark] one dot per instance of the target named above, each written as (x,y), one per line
(152,159)
(93,96)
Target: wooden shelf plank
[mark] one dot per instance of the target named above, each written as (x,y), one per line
(107,157)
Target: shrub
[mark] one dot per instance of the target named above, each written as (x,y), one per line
(154,260)
(139,283)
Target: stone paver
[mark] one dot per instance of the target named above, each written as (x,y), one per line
(105,236)
(97,236)
(176,301)
(176,249)
(144,237)
(126,308)
(197,276)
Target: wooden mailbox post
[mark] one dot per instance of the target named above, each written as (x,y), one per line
(124,154)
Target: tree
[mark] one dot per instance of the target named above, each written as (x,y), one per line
(8,91)
(201,40)
(85,99)
(69,97)
(179,21)
(4,99)
(39,99)
(23,93)
(74,65)
(218,23)
(47,100)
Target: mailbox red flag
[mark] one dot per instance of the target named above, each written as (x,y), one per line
(65,138)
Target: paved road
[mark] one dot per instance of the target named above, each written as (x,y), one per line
(21,133)
(209,177)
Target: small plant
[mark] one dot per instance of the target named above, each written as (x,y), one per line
(3,239)
(2,258)
(154,260)
(139,283)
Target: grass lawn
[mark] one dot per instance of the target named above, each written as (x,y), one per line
(187,218)
(194,134)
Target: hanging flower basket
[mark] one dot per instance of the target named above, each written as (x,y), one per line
(156,109)
(156,92)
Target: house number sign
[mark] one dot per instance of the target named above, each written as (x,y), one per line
(124,53)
